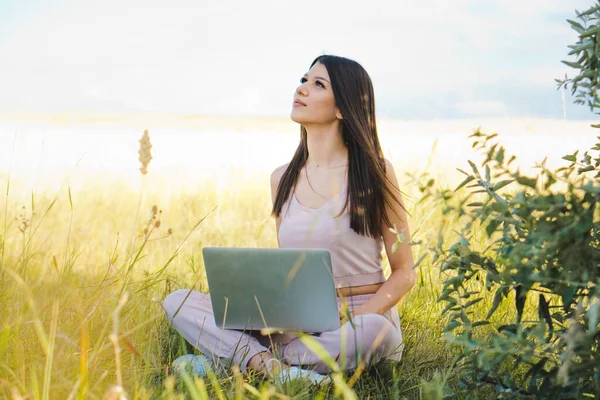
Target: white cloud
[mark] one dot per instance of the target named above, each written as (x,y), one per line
(246,57)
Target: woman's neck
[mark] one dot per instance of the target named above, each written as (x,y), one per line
(326,148)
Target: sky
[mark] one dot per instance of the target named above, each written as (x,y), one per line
(428,59)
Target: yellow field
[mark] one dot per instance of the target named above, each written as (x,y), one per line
(73,208)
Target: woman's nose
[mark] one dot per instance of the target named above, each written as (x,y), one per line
(301,90)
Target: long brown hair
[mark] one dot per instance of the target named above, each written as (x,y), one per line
(369,189)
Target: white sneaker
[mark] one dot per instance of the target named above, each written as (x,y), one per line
(291,373)
(195,364)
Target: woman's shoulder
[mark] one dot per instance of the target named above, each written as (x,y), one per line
(277,174)
(388,164)
(389,170)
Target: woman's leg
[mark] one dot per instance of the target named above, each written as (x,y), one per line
(191,314)
(373,337)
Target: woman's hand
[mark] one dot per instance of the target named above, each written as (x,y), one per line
(346,315)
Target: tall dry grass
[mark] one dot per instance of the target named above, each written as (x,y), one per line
(81,295)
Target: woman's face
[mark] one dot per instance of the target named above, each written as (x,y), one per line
(313,100)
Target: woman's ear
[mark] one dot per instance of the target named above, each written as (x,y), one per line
(338,114)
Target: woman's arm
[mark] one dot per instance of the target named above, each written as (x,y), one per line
(275,178)
(403,276)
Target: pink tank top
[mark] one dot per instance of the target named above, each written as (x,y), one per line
(356,259)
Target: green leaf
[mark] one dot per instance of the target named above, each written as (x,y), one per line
(567,296)
(491,227)
(451,326)
(593,314)
(526,181)
(572,64)
(588,44)
(590,187)
(550,180)
(498,296)
(544,311)
(520,297)
(585,169)
(475,204)
(576,26)
(420,260)
(501,184)
(571,157)
(463,183)
(450,307)
(470,303)
(499,205)
(500,155)
(473,167)
(589,32)
(590,11)
(512,328)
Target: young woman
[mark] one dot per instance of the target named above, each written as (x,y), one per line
(339,193)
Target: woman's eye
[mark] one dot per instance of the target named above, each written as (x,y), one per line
(302,80)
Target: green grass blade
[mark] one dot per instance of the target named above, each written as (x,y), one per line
(50,352)
(320,351)
(37,323)
(193,391)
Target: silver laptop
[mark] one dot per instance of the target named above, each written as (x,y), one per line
(278,288)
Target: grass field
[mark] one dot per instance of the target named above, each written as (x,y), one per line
(81,283)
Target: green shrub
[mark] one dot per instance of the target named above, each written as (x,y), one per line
(530,247)
(542,254)
(586,51)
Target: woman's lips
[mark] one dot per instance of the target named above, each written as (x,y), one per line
(299,103)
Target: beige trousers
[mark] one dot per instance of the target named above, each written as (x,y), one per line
(372,338)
